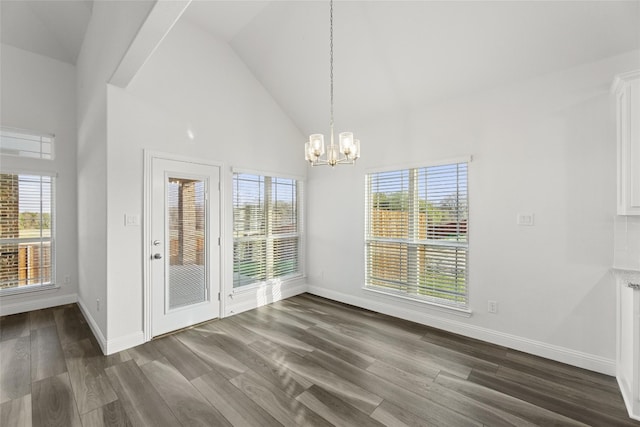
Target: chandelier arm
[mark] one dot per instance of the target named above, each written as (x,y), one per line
(342,160)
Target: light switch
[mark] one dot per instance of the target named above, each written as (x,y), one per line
(524,219)
(131,220)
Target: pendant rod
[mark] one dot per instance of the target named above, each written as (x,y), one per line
(331,65)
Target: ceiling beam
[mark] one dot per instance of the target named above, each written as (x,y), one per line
(161,19)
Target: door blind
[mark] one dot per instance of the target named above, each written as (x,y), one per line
(416,235)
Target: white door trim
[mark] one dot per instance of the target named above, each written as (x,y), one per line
(149,155)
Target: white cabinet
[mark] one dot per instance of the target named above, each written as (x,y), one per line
(627,94)
(628,339)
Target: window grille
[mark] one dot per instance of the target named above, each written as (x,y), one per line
(416,241)
(266,228)
(26,230)
(16,142)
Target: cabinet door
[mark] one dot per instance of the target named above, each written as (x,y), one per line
(633,153)
(628,135)
(628,340)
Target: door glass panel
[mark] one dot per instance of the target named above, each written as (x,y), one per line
(187,245)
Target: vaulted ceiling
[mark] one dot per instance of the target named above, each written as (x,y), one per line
(390,56)
(51,28)
(399,55)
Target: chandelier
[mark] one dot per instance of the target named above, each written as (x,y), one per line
(348,149)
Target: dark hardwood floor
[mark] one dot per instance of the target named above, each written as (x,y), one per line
(302,361)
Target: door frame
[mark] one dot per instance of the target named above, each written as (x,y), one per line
(149,156)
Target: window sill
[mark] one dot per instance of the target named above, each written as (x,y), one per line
(27,290)
(463,312)
(261,285)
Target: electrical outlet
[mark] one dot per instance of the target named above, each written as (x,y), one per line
(67,280)
(492,306)
(98,304)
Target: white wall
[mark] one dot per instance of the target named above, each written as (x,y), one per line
(112,27)
(191,82)
(545,146)
(38,94)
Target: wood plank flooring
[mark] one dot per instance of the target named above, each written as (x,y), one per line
(305,361)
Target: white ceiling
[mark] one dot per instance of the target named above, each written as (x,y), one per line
(389,55)
(394,55)
(52,28)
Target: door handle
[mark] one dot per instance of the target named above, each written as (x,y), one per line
(157,256)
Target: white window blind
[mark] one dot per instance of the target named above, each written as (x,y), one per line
(16,142)
(266,242)
(26,230)
(416,233)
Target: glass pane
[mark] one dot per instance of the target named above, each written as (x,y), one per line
(388,264)
(34,267)
(443,273)
(248,205)
(187,245)
(11,273)
(15,142)
(443,202)
(283,193)
(285,256)
(249,262)
(10,198)
(389,210)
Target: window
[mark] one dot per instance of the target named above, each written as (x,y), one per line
(266,228)
(16,142)
(416,233)
(26,230)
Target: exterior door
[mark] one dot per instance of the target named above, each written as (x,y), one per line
(185,239)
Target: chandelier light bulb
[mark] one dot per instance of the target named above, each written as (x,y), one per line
(332,155)
(356,149)
(346,142)
(317,144)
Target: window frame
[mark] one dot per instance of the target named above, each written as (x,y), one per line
(299,233)
(39,155)
(52,284)
(434,302)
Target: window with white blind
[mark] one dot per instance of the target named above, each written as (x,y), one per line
(416,233)
(26,231)
(266,228)
(21,143)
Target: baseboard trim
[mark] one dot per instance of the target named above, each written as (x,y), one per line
(37,303)
(262,296)
(243,302)
(122,343)
(633,408)
(110,346)
(93,325)
(538,348)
